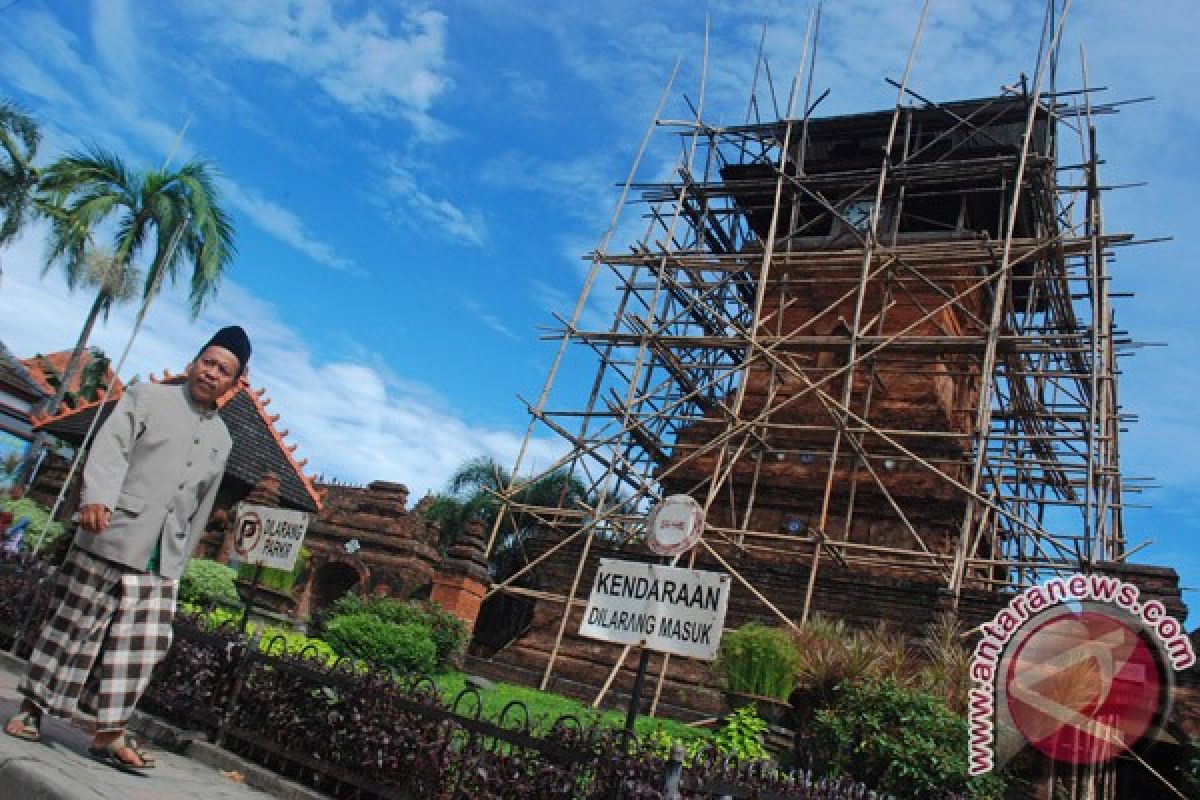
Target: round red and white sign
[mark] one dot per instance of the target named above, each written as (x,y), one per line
(674,525)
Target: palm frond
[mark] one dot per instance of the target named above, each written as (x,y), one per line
(179,209)
(478,474)
(66,244)
(22,125)
(19,139)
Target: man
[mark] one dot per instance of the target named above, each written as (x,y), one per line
(148,488)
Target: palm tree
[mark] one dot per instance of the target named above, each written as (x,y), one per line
(19,140)
(178,213)
(472,494)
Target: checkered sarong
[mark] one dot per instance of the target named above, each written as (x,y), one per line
(97,651)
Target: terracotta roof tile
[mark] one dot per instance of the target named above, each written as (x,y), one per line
(59,361)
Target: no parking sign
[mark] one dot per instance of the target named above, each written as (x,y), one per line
(269,536)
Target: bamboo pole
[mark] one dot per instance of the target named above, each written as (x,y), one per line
(983,417)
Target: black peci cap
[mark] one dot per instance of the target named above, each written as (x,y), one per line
(233,339)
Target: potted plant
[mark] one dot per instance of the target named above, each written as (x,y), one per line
(756,665)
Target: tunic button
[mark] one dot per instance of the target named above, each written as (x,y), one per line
(188,464)
(196,441)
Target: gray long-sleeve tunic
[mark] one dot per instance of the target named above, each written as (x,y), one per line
(157,462)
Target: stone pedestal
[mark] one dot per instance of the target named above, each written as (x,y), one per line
(460,596)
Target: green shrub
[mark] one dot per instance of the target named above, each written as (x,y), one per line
(295,643)
(408,646)
(269,642)
(741,735)
(38,517)
(448,633)
(388,609)
(206,582)
(660,738)
(758,660)
(210,618)
(898,740)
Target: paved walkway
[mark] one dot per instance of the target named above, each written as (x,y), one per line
(59,767)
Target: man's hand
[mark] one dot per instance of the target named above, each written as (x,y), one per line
(94,518)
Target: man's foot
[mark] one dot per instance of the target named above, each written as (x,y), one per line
(121,752)
(25,724)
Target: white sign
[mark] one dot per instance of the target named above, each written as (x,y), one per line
(671,610)
(674,525)
(269,536)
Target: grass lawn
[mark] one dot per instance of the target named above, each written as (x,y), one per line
(545,708)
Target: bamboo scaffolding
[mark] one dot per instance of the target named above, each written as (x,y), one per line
(763,339)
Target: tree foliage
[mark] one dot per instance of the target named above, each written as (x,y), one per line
(19,140)
(472,493)
(898,740)
(175,215)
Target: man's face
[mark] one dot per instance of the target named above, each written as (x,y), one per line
(211,375)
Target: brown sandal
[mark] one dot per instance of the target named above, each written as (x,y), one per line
(25,725)
(110,754)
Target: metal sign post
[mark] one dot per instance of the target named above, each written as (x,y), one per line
(639,680)
(657,607)
(673,527)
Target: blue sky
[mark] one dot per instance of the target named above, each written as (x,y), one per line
(414,186)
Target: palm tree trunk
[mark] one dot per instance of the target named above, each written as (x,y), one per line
(26,474)
(77,354)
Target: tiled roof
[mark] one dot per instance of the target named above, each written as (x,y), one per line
(14,376)
(258,446)
(59,362)
(261,448)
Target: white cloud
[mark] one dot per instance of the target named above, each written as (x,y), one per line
(350,417)
(410,205)
(489,319)
(108,107)
(581,185)
(283,224)
(114,36)
(369,64)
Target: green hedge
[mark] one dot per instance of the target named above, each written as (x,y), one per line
(206,582)
(448,633)
(408,646)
